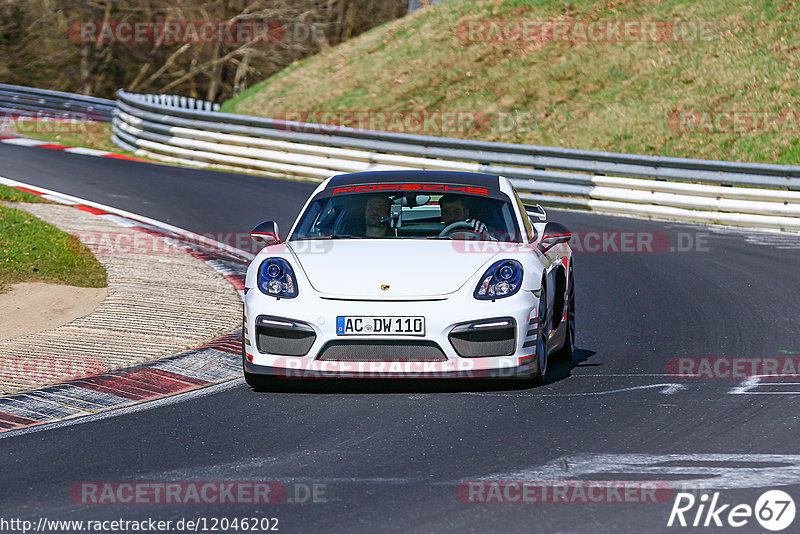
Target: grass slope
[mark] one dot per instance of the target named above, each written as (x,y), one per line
(34,251)
(615,96)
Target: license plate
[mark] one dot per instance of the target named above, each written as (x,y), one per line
(358,325)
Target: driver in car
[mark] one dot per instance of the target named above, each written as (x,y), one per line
(377,216)
(454,209)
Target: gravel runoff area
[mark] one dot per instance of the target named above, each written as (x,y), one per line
(161,300)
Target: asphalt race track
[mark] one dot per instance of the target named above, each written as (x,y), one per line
(390,457)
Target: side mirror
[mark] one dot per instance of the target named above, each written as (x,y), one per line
(266,232)
(554,234)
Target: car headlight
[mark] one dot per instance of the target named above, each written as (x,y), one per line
(276,278)
(502,279)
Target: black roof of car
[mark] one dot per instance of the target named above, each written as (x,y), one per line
(490,181)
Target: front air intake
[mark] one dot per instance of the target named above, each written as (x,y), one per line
(283,337)
(382,351)
(486,338)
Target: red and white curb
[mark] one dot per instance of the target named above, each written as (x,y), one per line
(27,141)
(216,362)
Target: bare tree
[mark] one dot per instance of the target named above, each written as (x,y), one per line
(42,42)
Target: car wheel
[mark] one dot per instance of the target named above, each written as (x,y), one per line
(542,338)
(567,351)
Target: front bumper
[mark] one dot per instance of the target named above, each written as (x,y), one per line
(405,370)
(441,318)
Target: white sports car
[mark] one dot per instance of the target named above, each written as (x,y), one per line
(413,274)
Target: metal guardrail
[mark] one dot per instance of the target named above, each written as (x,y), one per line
(193,132)
(745,194)
(28,101)
(179,102)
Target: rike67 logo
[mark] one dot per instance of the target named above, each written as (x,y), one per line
(774,510)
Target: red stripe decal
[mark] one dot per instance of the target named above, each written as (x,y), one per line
(556,235)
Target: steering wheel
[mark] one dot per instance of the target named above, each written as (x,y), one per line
(460,226)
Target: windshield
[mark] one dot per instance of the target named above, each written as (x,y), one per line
(407,215)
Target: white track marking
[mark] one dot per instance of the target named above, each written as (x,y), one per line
(681,471)
(668,388)
(746,386)
(697,471)
(633,374)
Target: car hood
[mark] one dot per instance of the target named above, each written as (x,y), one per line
(411,268)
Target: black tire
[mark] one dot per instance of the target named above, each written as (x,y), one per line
(542,338)
(259,382)
(567,351)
